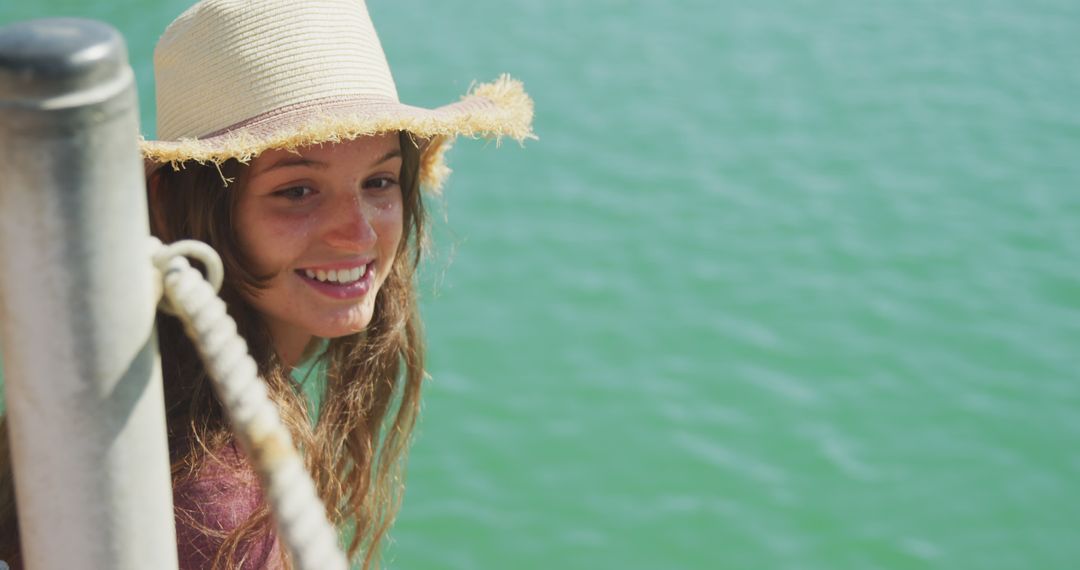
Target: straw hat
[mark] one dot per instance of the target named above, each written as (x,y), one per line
(238,77)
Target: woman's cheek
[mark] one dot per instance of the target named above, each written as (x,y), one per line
(392,220)
(274,239)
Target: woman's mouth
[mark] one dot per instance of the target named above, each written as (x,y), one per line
(340,282)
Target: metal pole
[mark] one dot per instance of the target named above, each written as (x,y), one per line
(83,379)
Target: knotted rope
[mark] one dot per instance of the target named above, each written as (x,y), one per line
(300,515)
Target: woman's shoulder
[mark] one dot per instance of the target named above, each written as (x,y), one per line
(215,500)
(223,489)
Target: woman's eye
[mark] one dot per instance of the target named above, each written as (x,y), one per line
(379,183)
(296,193)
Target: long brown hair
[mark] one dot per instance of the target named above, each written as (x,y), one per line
(356,446)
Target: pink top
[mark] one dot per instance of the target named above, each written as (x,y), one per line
(225,493)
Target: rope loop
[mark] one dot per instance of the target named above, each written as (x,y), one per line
(166,256)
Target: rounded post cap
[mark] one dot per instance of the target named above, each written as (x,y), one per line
(46,58)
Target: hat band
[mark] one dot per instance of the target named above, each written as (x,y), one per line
(306,107)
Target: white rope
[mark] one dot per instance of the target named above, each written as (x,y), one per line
(300,515)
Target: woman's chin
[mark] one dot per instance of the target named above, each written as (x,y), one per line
(335,334)
(354,323)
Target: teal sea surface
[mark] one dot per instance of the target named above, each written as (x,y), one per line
(786,284)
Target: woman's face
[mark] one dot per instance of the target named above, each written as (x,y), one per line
(325,222)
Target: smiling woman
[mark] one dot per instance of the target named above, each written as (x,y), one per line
(284,146)
(334,210)
(325,225)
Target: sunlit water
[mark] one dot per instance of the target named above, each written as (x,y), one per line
(783,284)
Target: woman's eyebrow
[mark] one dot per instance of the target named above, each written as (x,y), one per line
(392,154)
(289,161)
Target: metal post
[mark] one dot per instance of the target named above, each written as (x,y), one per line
(83,379)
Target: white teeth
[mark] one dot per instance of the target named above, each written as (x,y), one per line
(337,275)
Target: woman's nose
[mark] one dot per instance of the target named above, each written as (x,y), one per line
(350,226)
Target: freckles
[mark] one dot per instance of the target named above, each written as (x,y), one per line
(389,225)
(284,230)
(388,205)
(290,223)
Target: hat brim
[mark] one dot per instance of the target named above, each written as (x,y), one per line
(498,109)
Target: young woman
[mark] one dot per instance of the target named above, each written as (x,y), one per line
(282,144)
(319,243)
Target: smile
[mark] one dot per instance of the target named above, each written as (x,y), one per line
(343,283)
(342,276)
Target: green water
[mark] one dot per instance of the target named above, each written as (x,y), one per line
(783,284)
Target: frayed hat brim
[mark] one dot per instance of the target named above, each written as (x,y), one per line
(491,110)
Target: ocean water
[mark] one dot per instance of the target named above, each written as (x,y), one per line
(782,284)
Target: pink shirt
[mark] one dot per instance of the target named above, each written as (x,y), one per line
(222,497)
